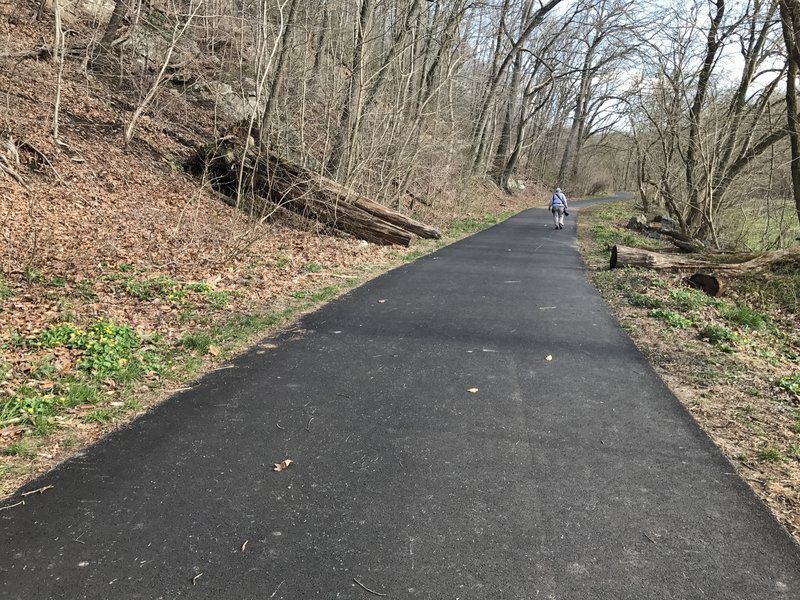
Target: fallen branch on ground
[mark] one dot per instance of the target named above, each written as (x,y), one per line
(285,184)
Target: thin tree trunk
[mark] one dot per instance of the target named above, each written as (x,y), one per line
(343,139)
(110,34)
(790,21)
(277,78)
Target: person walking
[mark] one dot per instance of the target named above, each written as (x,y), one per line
(558,206)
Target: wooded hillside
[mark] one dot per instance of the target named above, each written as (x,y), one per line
(402,101)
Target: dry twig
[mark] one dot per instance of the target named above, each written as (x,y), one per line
(13,505)
(41,490)
(369,590)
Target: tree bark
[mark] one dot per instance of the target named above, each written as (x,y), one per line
(288,185)
(110,34)
(625,256)
(711,284)
(790,21)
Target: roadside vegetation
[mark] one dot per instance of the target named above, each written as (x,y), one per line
(733,361)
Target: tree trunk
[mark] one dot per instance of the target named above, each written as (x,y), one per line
(625,256)
(288,185)
(352,106)
(280,67)
(711,284)
(110,34)
(790,20)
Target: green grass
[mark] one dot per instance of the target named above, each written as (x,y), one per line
(33,275)
(795,424)
(312,267)
(14,470)
(408,256)
(86,289)
(688,299)
(80,392)
(772,454)
(791,383)
(608,235)
(24,447)
(103,415)
(717,335)
(644,301)
(743,316)
(5,291)
(470,225)
(197,342)
(325,294)
(672,318)
(778,289)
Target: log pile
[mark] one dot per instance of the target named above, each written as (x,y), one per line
(283,183)
(710,275)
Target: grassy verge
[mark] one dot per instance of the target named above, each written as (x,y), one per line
(75,375)
(733,361)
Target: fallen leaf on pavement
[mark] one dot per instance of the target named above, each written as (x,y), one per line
(283,465)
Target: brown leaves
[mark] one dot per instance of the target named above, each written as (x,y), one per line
(283,465)
(213,350)
(11,431)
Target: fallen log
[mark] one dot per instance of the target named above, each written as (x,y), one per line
(711,276)
(712,284)
(625,256)
(289,185)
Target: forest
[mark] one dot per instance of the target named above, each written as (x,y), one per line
(692,105)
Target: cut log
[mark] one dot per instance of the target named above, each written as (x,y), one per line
(624,256)
(288,185)
(711,284)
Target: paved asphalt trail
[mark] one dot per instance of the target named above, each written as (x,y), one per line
(576,478)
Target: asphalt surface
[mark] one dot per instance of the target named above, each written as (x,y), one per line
(579,477)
